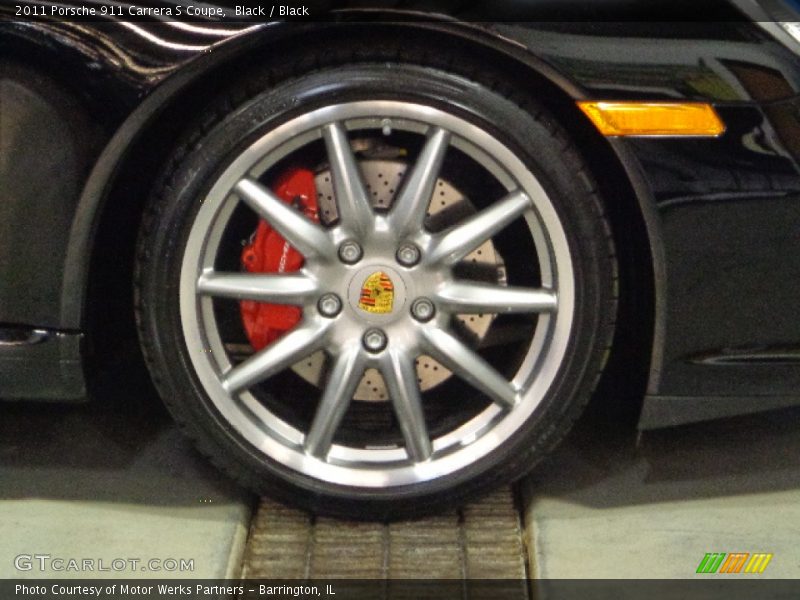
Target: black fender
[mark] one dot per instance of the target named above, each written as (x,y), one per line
(99,192)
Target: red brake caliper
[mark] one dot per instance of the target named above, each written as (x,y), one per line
(268,252)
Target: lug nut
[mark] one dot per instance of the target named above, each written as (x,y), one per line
(350,252)
(329,305)
(375,340)
(408,255)
(423,309)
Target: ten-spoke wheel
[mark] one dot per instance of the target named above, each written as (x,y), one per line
(423,298)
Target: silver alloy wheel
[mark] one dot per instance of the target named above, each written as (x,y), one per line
(342,334)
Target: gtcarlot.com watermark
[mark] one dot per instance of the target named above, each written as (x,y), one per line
(46,563)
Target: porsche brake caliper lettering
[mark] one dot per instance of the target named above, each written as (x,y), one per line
(269,252)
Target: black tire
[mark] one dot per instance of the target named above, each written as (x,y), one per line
(217,137)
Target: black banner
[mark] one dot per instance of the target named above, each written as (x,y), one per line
(604,589)
(260,11)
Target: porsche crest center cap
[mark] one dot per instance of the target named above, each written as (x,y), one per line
(377,294)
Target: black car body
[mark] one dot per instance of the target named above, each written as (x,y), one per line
(707,229)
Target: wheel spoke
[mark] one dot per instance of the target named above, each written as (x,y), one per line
(294,346)
(411,204)
(473,369)
(342,383)
(469,297)
(352,201)
(400,377)
(276,289)
(307,237)
(454,244)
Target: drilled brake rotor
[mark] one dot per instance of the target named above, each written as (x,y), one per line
(382,178)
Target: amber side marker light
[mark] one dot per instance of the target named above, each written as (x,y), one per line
(654,118)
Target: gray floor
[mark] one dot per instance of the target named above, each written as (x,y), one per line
(113,480)
(600,507)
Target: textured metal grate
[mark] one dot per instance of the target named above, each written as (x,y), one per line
(482,541)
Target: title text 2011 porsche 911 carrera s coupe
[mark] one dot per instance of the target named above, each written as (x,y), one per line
(379,260)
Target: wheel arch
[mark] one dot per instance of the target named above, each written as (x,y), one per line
(102,238)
